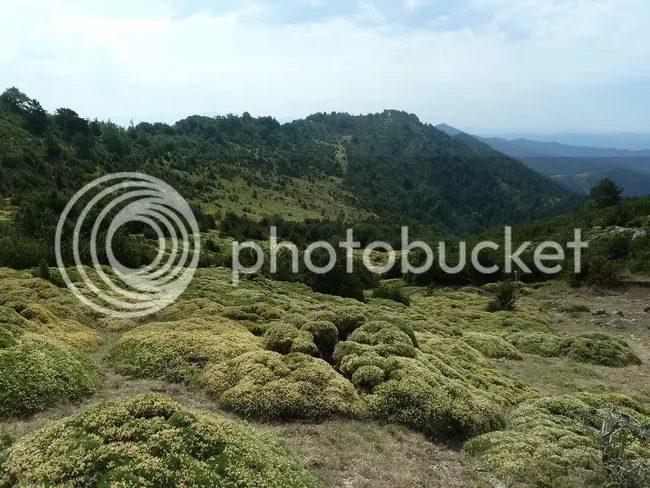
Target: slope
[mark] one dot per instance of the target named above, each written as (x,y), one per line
(389,164)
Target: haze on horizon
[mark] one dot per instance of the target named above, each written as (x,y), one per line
(488,66)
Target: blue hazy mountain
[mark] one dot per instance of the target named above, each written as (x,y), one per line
(576,167)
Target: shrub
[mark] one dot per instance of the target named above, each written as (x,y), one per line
(599,349)
(492,346)
(539,343)
(280,337)
(447,411)
(268,385)
(506,297)
(550,441)
(44,270)
(325,335)
(347,321)
(393,293)
(150,440)
(37,373)
(176,350)
(367,377)
(386,339)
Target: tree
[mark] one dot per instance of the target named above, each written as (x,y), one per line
(606,194)
(15,100)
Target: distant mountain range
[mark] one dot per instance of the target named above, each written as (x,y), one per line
(632,142)
(576,167)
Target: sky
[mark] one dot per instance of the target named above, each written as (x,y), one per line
(481,65)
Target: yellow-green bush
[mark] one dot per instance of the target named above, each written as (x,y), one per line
(492,346)
(348,320)
(151,441)
(268,385)
(175,350)
(551,441)
(37,373)
(35,318)
(325,335)
(285,338)
(599,349)
(449,390)
(539,343)
(386,338)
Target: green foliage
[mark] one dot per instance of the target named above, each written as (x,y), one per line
(551,441)
(605,194)
(325,336)
(36,373)
(492,346)
(506,297)
(393,293)
(44,270)
(539,343)
(285,338)
(599,349)
(268,385)
(151,441)
(176,350)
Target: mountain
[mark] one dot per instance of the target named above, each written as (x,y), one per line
(448,129)
(528,148)
(631,142)
(577,168)
(386,164)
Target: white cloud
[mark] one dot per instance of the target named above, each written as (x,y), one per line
(521,68)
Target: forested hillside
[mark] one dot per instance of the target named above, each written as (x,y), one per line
(385,164)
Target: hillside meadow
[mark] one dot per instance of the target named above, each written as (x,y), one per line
(271,384)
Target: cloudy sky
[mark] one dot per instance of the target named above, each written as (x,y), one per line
(481,65)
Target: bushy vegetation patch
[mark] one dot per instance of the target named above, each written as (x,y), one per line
(599,349)
(551,441)
(506,295)
(151,441)
(492,346)
(286,338)
(176,350)
(37,373)
(539,343)
(37,306)
(268,385)
(393,293)
(446,389)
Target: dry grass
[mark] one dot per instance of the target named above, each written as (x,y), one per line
(352,454)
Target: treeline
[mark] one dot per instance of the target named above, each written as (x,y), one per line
(394,165)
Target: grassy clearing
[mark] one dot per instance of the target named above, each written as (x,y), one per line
(299,200)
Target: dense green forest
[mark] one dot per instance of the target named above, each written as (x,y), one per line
(390,163)
(393,167)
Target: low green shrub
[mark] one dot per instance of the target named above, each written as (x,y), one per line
(268,385)
(325,336)
(393,293)
(37,373)
(506,297)
(599,349)
(539,343)
(177,350)
(347,321)
(492,346)
(386,339)
(151,441)
(550,441)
